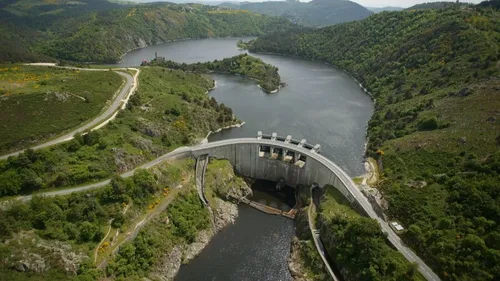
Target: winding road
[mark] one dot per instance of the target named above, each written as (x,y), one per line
(120,102)
(109,114)
(184,152)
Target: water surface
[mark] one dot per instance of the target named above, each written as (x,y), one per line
(320,103)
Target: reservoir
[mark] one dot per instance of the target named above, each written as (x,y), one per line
(320,103)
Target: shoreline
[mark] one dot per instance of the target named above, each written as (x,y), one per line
(120,60)
(365,147)
(237,125)
(324,62)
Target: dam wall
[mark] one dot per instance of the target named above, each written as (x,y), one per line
(249,160)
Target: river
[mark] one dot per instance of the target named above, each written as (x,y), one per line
(320,103)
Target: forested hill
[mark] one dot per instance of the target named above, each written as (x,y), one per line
(436,127)
(314,13)
(437,5)
(92,32)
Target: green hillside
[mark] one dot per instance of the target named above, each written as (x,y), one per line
(436,5)
(435,77)
(35,97)
(314,13)
(169,109)
(100,31)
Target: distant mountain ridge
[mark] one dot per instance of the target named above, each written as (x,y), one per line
(435,75)
(385,9)
(101,31)
(314,13)
(437,5)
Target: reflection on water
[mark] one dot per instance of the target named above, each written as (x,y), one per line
(265,193)
(255,248)
(320,104)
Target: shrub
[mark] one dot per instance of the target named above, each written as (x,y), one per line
(427,124)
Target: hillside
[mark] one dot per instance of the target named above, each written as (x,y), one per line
(103,33)
(435,77)
(436,5)
(384,9)
(35,97)
(169,109)
(314,13)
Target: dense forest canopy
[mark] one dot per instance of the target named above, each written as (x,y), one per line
(104,32)
(314,13)
(435,77)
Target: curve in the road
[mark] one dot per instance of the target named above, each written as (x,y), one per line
(109,114)
(185,152)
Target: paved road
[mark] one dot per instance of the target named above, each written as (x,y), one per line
(119,102)
(344,178)
(317,240)
(201,166)
(351,186)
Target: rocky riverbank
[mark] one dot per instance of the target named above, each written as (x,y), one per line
(304,262)
(224,190)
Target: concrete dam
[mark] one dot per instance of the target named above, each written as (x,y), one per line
(292,162)
(283,160)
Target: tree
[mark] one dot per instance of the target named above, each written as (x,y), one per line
(89,232)
(145,180)
(428,124)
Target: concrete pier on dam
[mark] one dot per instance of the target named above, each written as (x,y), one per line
(292,162)
(282,160)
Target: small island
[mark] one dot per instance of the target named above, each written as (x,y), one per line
(244,45)
(254,68)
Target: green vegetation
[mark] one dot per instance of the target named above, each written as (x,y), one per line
(75,224)
(437,5)
(221,182)
(242,44)
(99,31)
(266,75)
(310,260)
(434,75)
(179,224)
(170,109)
(314,13)
(346,235)
(33,99)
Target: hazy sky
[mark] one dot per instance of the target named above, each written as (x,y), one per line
(366,3)
(399,3)
(383,3)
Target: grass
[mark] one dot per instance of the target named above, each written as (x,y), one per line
(46,101)
(333,203)
(248,66)
(179,173)
(175,193)
(467,117)
(169,109)
(219,180)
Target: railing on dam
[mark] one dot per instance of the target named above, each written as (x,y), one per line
(245,156)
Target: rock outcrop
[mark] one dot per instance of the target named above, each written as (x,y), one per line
(295,263)
(227,189)
(30,253)
(225,214)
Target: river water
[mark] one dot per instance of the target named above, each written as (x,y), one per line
(320,103)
